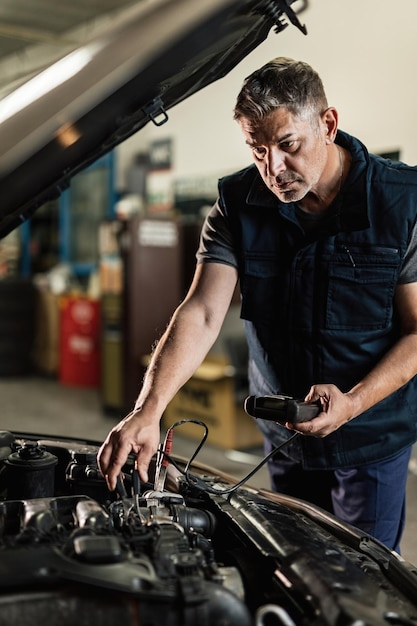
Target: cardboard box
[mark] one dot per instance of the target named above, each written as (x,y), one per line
(209,396)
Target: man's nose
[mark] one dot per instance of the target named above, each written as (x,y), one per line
(275,162)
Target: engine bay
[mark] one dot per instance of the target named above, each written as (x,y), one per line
(196,550)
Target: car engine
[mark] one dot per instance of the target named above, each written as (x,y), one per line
(198,551)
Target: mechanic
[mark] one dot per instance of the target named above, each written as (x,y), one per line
(321,236)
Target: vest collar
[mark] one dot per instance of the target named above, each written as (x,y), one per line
(351,206)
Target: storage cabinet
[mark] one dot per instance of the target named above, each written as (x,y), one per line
(159,262)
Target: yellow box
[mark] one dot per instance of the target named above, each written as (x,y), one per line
(209,396)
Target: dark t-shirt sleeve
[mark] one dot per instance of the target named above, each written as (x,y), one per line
(216,244)
(409,271)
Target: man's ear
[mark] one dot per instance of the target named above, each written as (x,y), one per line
(330,119)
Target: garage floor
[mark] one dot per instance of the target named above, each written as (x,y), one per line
(44,406)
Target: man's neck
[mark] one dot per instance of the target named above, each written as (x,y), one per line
(319,200)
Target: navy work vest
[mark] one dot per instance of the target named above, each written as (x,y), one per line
(319,307)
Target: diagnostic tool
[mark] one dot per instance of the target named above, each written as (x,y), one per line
(281,409)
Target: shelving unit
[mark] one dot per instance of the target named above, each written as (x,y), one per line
(66,230)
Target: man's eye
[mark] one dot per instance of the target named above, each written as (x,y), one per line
(288,146)
(258,152)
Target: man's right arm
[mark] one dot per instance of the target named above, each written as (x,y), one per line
(191,333)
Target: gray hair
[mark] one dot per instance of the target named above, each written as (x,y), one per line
(282,82)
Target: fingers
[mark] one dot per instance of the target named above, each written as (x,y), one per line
(310,429)
(337,410)
(111,462)
(111,459)
(316,427)
(126,438)
(103,458)
(142,465)
(320,392)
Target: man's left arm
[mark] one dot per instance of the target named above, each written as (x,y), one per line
(393,371)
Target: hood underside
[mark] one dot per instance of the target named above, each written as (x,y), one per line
(90,101)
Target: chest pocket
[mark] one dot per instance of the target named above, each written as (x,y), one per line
(261,285)
(361,286)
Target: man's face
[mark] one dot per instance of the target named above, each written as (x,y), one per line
(290,153)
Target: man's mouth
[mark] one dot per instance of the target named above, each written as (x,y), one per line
(283,185)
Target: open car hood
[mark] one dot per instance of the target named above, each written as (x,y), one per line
(87,103)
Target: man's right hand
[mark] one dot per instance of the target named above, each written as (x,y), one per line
(132,434)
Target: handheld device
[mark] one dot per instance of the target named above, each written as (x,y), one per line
(281,409)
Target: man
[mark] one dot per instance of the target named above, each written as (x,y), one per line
(320,235)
